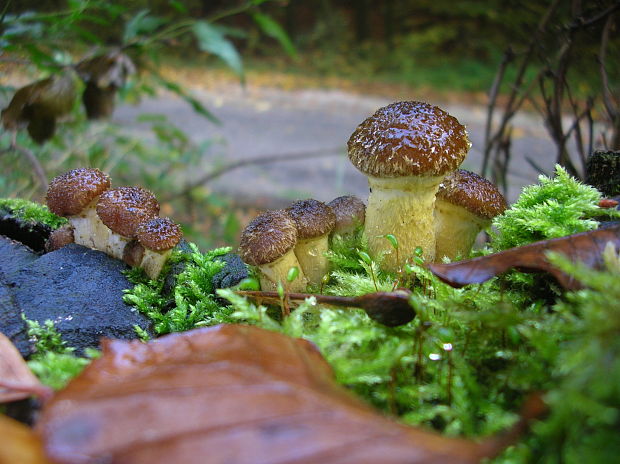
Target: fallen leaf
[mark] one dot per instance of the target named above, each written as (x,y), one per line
(586,247)
(225,394)
(19,444)
(16,380)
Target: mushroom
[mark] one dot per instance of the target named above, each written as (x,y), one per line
(350,213)
(314,221)
(122,210)
(466,203)
(74,195)
(158,236)
(59,238)
(268,242)
(405,149)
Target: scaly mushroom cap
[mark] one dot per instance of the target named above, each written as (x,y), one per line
(408,138)
(69,193)
(472,192)
(267,237)
(312,218)
(350,212)
(159,234)
(123,209)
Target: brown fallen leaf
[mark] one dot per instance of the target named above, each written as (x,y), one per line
(19,444)
(586,247)
(16,380)
(225,394)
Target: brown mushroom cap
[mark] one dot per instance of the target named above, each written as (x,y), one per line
(408,138)
(69,193)
(268,237)
(349,210)
(123,209)
(159,234)
(312,218)
(472,192)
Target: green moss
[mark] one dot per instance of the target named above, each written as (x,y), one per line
(191,303)
(57,369)
(30,212)
(556,207)
(53,361)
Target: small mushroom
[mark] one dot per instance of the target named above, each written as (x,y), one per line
(122,210)
(158,236)
(74,195)
(405,149)
(268,242)
(466,203)
(314,221)
(350,213)
(59,238)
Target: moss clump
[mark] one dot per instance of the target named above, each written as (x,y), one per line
(556,207)
(192,302)
(53,361)
(30,212)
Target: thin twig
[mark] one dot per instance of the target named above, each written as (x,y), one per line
(36,165)
(256,161)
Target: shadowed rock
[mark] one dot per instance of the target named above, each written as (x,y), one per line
(79,289)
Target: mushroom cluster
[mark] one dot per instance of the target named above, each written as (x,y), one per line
(298,236)
(122,222)
(407,149)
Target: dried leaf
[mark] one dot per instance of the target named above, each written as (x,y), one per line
(16,380)
(586,247)
(230,393)
(108,70)
(19,444)
(104,75)
(40,104)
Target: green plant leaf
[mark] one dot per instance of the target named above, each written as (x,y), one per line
(141,23)
(270,27)
(211,39)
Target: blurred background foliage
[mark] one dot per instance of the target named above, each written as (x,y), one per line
(438,47)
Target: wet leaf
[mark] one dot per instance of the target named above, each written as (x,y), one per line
(16,380)
(229,393)
(586,247)
(19,444)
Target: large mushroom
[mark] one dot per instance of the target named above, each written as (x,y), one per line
(122,210)
(268,242)
(350,213)
(405,149)
(314,221)
(74,195)
(157,237)
(466,203)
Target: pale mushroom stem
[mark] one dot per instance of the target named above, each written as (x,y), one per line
(272,273)
(88,230)
(456,230)
(311,256)
(154,261)
(403,207)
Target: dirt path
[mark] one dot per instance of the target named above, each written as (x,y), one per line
(260,121)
